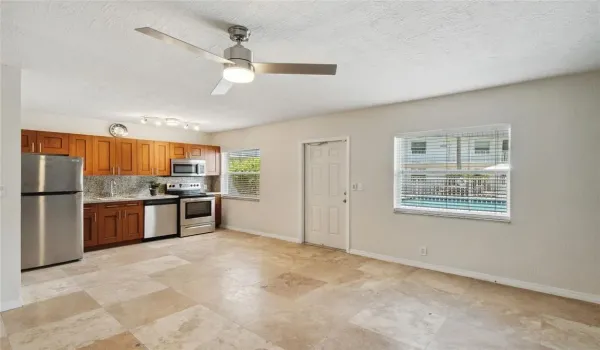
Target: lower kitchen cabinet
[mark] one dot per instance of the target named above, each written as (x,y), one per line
(90,225)
(111,223)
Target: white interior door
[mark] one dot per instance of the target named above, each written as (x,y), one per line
(325,189)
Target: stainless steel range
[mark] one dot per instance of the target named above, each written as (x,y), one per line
(196,208)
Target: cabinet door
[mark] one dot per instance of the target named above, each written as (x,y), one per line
(218,210)
(178,150)
(110,225)
(212,155)
(162,161)
(195,151)
(81,146)
(145,154)
(126,156)
(90,226)
(52,143)
(104,150)
(133,221)
(28,141)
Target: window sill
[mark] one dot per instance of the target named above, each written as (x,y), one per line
(454,214)
(249,199)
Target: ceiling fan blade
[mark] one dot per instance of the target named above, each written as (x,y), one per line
(295,68)
(222,87)
(174,41)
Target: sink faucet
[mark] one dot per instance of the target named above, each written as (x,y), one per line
(112,187)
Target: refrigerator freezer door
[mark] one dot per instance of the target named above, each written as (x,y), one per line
(51,229)
(41,173)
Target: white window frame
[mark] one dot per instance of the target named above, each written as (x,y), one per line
(225,176)
(466,214)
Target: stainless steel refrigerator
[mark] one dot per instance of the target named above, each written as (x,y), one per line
(51,209)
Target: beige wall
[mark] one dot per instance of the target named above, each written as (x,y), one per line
(554,236)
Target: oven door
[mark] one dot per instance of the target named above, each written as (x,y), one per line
(195,211)
(188,167)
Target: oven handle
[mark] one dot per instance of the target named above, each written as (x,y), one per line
(198,199)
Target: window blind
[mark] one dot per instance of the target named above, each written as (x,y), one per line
(463,172)
(241,174)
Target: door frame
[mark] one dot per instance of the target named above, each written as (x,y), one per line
(302,157)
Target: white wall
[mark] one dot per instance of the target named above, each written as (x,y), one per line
(554,237)
(88,126)
(10,179)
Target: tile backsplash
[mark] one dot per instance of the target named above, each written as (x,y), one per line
(99,186)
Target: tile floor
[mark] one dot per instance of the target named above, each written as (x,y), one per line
(230,290)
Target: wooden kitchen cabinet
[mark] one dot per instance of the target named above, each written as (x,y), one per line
(145,154)
(133,221)
(162,160)
(126,156)
(28,141)
(212,156)
(90,225)
(178,150)
(110,225)
(195,151)
(82,146)
(105,155)
(44,142)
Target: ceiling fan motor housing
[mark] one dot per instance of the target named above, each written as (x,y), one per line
(240,55)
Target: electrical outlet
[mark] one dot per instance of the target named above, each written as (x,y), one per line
(423,251)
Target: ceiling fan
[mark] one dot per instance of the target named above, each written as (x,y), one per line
(237,60)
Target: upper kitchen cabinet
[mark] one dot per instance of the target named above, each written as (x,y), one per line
(178,150)
(105,155)
(28,141)
(145,154)
(126,156)
(44,142)
(162,160)
(212,156)
(195,151)
(82,146)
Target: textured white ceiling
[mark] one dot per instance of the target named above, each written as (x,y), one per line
(83,59)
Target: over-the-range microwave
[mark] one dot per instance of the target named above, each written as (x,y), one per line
(188,167)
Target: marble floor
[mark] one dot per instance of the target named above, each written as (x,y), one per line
(230,290)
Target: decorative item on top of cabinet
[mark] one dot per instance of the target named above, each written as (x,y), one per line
(82,146)
(90,225)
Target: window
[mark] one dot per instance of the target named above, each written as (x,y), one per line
(418,147)
(465,173)
(240,177)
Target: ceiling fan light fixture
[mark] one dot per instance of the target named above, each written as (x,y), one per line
(144,120)
(237,74)
(158,122)
(172,121)
(196,127)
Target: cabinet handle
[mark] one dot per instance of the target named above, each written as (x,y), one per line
(125,214)
(32,147)
(95,217)
(40,147)
(131,205)
(112,206)
(119,170)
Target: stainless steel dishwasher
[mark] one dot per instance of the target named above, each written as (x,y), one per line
(160,217)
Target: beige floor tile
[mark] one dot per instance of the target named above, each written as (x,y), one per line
(558,333)
(405,319)
(459,335)
(51,310)
(237,338)
(5,344)
(2,328)
(291,285)
(42,275)
(107,276)
(75,331)
(47,290)
(387,269)
(441,281)
(330,272)
(351,337)
(110,293)
(122,341)
(162,263)
(147,308)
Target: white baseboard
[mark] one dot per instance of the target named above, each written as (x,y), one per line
(264,234)
(11,304)
(592,298)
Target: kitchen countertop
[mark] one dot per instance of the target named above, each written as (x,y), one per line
(145,197)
